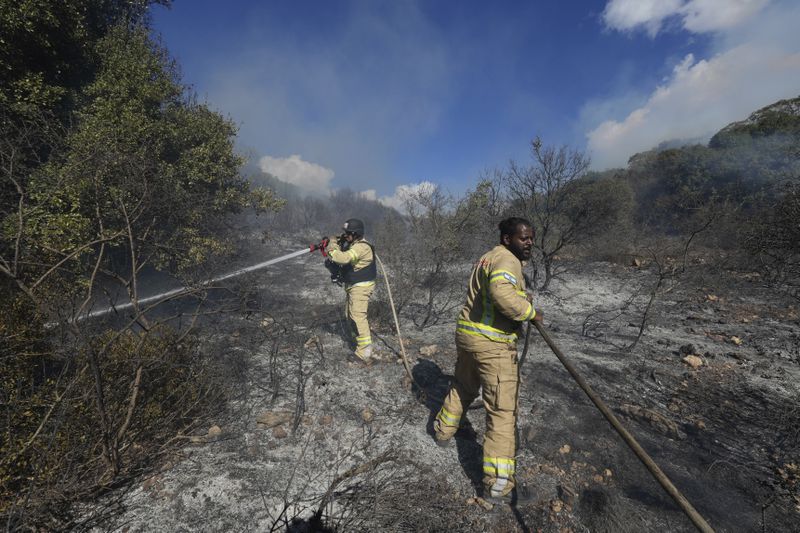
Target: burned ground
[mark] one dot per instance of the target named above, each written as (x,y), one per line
(313,440)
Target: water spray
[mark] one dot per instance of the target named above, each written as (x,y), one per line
(180,291)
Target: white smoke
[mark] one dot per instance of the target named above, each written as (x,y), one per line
(309,176)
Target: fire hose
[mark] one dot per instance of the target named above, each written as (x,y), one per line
(397,327)
(651,465)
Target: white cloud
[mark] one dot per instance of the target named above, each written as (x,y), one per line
(627,15)
(406,193)
(712,15)
(700,98)
(754,61)
(309,176)
(697,16)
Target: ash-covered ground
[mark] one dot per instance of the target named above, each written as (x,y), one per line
(315,439)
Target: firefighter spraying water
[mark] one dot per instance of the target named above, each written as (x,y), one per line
(351,261)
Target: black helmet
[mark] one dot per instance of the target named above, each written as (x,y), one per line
(354,225)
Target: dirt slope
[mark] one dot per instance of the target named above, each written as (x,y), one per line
(314,438)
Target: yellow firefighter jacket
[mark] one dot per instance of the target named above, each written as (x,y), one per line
(359,255)
(496,300)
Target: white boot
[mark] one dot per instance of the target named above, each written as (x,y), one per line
(366,353)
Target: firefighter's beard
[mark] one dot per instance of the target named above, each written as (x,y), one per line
(523,253)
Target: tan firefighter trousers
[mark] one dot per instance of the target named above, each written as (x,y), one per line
(356,309)
(492,367)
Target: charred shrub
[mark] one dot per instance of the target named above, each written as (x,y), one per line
(773,238)
(80,422)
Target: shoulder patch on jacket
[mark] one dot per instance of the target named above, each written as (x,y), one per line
(502,274)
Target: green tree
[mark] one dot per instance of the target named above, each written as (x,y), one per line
(106,171)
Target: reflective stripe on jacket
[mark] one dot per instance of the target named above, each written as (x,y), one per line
(496,301)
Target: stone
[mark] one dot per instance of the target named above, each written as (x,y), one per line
(274,418)
(326,420)
(693,361)
(607,472)
(429,350)
(556,506)
(267,321)
(565,449)
(214,431)
(487,506)
(367,415)
(736,340)
(279,433)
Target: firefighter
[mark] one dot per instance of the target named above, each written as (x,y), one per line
(486,335)
(352,262)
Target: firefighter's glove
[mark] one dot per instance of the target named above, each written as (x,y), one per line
(538,316)
(320,246)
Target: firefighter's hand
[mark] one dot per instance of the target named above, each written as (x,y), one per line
(538,316)
(324,242)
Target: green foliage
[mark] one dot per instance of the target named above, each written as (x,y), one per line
(142,155)
(599,203)
(720,189)
(46,48)
(671,184)
(109,165)
(772,237)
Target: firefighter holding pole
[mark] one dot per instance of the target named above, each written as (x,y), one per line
(486,343)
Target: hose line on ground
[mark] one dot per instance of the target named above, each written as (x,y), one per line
(397,326)
(651,465)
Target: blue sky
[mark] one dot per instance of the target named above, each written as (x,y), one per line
(383,95)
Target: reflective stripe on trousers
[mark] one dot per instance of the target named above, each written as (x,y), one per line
(447,418)
(500,468)
(363,340)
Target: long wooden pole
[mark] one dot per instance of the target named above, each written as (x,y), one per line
(651,465)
